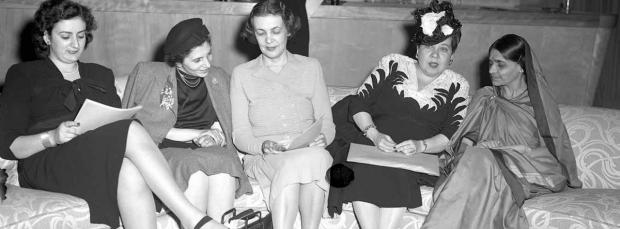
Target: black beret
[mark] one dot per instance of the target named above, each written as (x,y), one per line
(185,35)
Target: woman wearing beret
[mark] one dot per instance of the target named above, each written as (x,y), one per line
(116,168)
(274,98)
(406,106)
(186,110)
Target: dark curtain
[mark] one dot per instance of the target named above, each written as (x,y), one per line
(608,89)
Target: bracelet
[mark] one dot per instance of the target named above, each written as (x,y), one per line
(47,141)
(365,130)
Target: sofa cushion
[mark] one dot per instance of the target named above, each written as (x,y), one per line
(576,208)
(29,208)
(595,137)
(337,93)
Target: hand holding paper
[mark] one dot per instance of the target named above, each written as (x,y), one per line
(93,115)
(308,136)
(320,141)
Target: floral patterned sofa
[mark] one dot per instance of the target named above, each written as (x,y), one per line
(594,133)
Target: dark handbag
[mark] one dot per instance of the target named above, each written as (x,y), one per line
(248,219)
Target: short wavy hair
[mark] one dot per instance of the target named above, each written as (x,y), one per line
(51,12)
(271,7)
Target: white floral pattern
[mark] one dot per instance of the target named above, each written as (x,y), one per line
(29,208)
(577,208)
(595,137)
(594,134)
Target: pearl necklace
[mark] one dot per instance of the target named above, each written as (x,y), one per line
(189,80)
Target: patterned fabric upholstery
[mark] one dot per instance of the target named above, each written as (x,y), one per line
(575,209)
(595,136)
(28,208)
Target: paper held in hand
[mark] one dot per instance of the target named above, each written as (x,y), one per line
(93,115)
(307,136)
(419,162)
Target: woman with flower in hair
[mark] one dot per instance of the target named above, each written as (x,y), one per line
(407,106)
(512,146)
(186,110)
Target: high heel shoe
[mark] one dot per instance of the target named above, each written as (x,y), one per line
(202,222)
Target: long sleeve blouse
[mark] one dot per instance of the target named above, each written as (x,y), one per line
(278,106)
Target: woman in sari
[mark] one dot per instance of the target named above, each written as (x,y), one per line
(512,146)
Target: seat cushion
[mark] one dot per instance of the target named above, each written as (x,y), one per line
(29,208)
(575,209)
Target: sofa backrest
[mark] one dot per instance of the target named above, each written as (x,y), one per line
(595,137)
(594,134)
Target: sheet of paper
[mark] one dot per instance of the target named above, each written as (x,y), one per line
(93,115)
(307,136)
(419,162)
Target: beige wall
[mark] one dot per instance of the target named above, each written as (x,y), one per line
(348,41)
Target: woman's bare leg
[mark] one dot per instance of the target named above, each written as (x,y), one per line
(211,194)
(311,205)
(147,158)
(390,217)
(196,192)
(135,200)
(221,195)
(285,206)
(367,214)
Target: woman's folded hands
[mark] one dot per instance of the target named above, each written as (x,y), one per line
(210,137)
(383,141)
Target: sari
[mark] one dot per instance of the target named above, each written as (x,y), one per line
(486,187)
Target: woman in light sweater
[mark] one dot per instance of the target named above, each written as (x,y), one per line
(274,98)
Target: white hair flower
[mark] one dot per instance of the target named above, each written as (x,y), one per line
(446,30)
(429,22)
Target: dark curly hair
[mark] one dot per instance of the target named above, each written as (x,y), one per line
(51,12)
(419,38)
(271,7)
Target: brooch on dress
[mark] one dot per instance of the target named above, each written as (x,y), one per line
(166,98)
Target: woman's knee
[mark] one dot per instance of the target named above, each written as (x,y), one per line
(316,156)
(130,179)
(475,161)
(136,127)
(477,156)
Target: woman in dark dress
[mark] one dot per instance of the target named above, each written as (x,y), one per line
(115,167)
(405,106)
(191,122)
